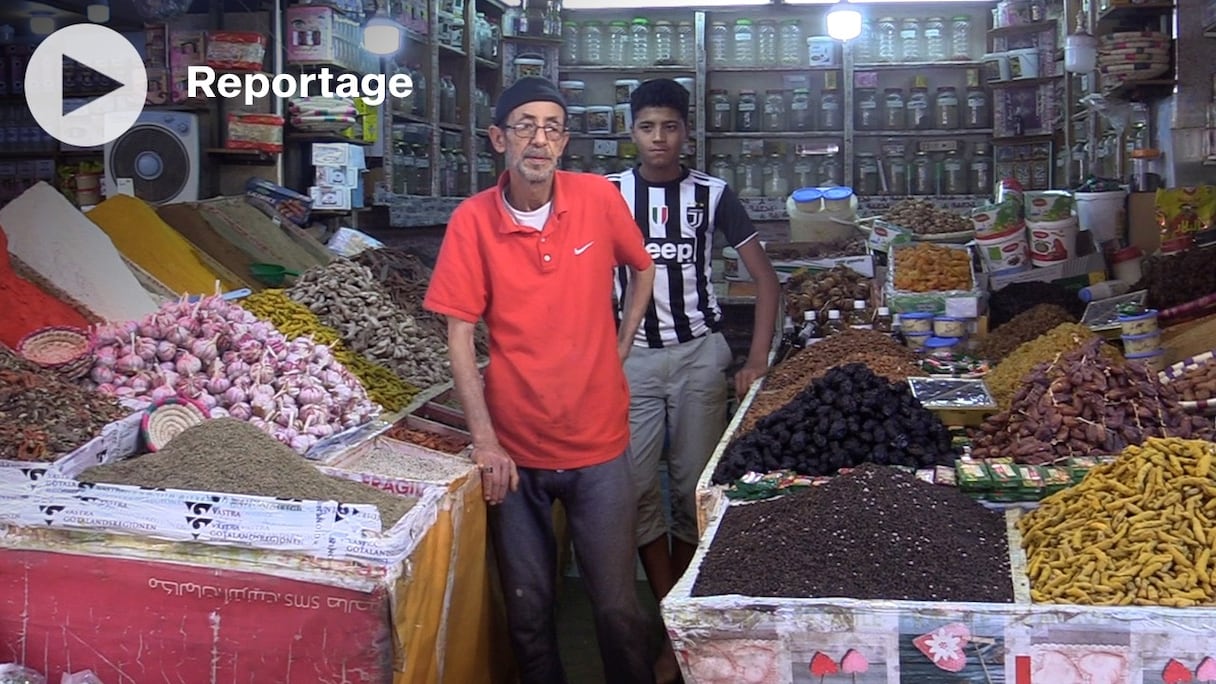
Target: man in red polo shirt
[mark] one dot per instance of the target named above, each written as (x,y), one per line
(532,257)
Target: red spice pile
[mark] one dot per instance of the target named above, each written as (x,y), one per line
(26,307)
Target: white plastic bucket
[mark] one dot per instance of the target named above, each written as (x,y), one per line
(1023,63)
(1103,214)
(1052,242)
(1048,205)
(1006,253)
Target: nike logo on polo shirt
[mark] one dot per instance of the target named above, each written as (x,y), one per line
(584,248)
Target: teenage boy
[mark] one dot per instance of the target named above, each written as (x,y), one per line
(529,257)
(677,370)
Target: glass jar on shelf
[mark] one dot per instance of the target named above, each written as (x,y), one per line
(719,44)
(750,176)
(893,115)
(745,43)
(830,172)
(954,177)
(462,174)
(575,162)
(791,44)
(935,39)
(897,175)
(569,53)
(960,37)
(863,45)
(977,113)
(867,174)
(419,182)
(485,170)
(801,116)
(867,116)
(805,173)
(981,182)
(626,162)
(722,167)
(886,37)
(600,165)
(664,43)
(685,45)
(747,112)
(775,118)
(920,115)
(924,181)
(909,39)
(618,43)
(830,118)
(946,108)
(639,39)
(766,43)
(721,115)
(776,180)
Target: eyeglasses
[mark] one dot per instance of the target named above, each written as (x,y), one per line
(527,130)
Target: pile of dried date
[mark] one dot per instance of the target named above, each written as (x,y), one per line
(823,291)
(1080,404)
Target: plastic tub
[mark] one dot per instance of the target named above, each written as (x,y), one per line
(622,118)
(1023,63)
(916,341)
(623,88)
(599,119)
(1052,242)
(576,119)
(839,200)
(1125,264)
(996,67)
(1138,324)
(1139,344)
(916,322)
(808,200)
(1006,253)
(949,326)
(1048,205)
(529,65)
(944,347)
(1103,214)
(1153,360)
(984,220)
(573,91)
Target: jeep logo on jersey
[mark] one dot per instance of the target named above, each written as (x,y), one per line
(677,251)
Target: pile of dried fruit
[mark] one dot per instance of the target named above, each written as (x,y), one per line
(1015,298)
(1177,278)
(926,267)
(1196,384)
(347,298)
(822,291)
(42,417)
(427,438)
(922,218)
(1006,379)
(848,417)
(1022,328)
(1137,531)
(854,246)
(875,533)
(233,457)
(1081,404)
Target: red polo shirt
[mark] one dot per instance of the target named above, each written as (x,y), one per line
(555,388)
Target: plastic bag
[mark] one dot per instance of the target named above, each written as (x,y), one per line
(12,673)
(82,677)
(1185,211)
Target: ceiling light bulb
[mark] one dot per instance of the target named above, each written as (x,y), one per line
(98,12)
(382,36)
(844,22)
(42,24)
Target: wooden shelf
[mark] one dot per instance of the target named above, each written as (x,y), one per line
(300,136)
(453,127)
(1024,139)
(599,68)
(539,40)
(1049,25)
(483,63)
(769,69)
(1135,87)
(444,48)
(243,156)
(1015,82)
(411,118)
(599,136)
(880,66)
(783,135)
(1119,11)
(923,133)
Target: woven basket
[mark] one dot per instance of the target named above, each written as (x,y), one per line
(64,350)
(1205,407)
(168,418)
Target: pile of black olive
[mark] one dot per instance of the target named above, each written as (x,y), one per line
(847,417)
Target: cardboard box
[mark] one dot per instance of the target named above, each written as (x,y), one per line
(328,198)
(1142,228)
(337,176)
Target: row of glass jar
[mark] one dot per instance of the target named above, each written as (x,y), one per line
(628,43)
(919,111)
(755,175)
(926,174)
(419,101)
(911,39)
(774,111)
(748,43)
(413,167)
(601,164)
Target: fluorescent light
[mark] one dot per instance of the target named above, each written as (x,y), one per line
(656,4)
(844,22)
(42,24)
(382,36)
(99,12)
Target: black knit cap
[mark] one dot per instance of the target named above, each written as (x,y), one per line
(523,91)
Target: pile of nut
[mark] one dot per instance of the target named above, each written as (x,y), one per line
(926,267)
(347,298)
(922,218)
(823,291)
(1081,404)
(1198,383)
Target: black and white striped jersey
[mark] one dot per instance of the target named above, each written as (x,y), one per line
(677,220)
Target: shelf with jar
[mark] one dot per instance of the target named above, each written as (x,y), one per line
(924,168)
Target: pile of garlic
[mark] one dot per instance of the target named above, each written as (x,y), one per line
(235,365)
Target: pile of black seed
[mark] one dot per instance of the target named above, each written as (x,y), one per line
(876,533)
(847,417)
(1013,299)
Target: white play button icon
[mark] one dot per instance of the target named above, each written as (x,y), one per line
(103,118)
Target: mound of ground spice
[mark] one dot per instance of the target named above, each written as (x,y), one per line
(26,307)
